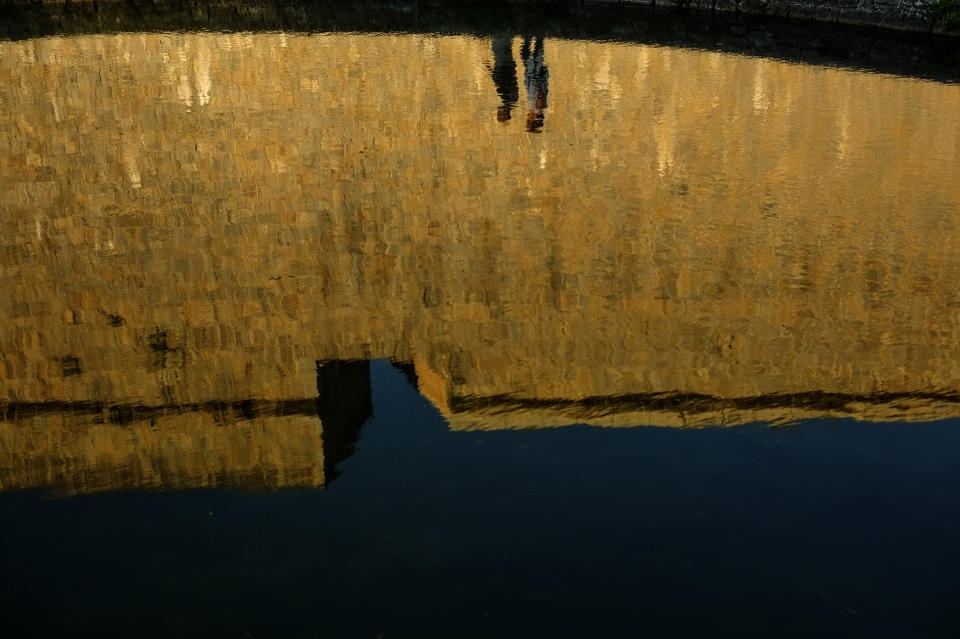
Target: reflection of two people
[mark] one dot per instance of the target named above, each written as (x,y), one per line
(535,76)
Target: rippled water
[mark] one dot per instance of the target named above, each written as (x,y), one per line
(207,236)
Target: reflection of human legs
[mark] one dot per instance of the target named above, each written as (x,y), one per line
(505,75)
(535,75)
(525,50)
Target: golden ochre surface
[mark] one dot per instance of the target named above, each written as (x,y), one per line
(73,454)
(190,218)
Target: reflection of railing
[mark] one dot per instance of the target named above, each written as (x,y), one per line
(80,447)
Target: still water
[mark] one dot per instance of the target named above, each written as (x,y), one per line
(396,334)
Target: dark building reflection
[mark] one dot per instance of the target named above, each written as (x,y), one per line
(344,405)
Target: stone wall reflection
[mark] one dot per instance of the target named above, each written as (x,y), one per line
(84,447)
(69,454)
(192,218)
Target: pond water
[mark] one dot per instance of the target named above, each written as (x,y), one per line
(399,334)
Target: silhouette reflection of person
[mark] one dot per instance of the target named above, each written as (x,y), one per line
(535,76)
(505,75)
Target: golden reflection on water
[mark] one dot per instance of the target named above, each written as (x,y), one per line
(550,231)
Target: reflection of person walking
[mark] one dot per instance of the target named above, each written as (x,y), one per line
(535,76)
(505,75)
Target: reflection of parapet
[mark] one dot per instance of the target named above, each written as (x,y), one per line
(78,452)
(74,447)
(689,410)
(497,413)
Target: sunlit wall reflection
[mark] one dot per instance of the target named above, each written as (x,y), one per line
(198,218)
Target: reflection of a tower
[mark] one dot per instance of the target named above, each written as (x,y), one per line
(343,405)
(535,76)
(84,447)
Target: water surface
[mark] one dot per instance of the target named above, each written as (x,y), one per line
(547,247)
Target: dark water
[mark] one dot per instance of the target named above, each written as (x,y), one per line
(832,527)
(402,321)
